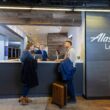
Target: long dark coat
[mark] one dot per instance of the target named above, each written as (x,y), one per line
(29,73)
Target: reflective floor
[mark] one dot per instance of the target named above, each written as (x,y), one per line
(44,103)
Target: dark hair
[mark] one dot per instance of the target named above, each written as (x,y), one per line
(69,42)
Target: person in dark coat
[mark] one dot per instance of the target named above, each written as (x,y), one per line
(28,74)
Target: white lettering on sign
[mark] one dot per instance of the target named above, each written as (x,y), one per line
(107,46)
(102,38)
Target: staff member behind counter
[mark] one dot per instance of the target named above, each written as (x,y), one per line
(41,53)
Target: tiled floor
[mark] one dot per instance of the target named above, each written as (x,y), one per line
(45,104)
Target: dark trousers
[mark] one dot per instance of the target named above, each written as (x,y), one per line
(25,90)
(70,89)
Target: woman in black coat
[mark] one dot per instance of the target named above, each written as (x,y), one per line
(28,74)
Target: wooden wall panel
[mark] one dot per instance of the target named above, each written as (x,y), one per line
(56,40)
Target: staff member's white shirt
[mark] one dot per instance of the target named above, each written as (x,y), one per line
(71,55)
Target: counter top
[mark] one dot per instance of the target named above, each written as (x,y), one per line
(9,61)
(14,61)
(18,61)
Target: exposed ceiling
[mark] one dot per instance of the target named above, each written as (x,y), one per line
(61,3)
(40,18)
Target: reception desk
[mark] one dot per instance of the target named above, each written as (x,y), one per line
(10,84)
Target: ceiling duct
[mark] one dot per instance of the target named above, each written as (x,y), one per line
(57,3)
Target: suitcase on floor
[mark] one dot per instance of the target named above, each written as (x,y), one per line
(59,94)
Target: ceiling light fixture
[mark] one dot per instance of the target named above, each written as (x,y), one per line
(91,10)
(15,8)
(35,8)
(53,9)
